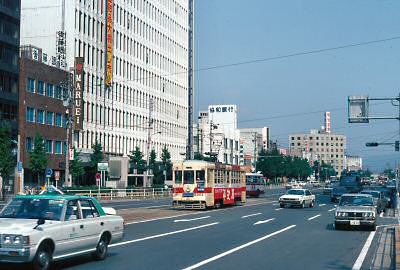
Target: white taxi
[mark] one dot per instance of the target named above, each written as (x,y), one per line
(297,197)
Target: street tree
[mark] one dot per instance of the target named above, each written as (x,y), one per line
(7,160)
(166,162)
(76,165)
(97,156)
(37,157)
(137,161)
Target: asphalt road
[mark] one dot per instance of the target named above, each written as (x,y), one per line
(258,236)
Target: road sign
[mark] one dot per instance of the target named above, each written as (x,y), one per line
(49,172)
(57,175)
(358,109)
(102,166)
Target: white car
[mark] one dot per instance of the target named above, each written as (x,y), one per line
(297,197)
(42,228)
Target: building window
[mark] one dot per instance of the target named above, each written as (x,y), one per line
(40,117)
(58,93)
(59,119)
(50,90)
(30,114)
(49,146)
(65,148)
(58,149)
(28,144)
(40,88)
(49,118)
(31,85)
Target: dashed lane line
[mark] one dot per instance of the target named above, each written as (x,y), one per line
(263,221)
(314,217)
(190,219)
(252,215)
(333,209)
(322,204)
(228,252)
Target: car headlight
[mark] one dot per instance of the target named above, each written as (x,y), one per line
(341,214)
(368,214)
(12,239)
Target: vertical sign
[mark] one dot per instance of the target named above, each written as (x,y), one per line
(327,122)
(109,43)
(78,91)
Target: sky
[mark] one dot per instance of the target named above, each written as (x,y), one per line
(290,94)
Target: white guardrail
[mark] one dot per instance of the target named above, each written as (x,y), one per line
(129,193)
(134,193)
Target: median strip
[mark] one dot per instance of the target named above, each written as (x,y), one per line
(162,235)
(223,254)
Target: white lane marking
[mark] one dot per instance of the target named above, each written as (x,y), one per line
(322,204)
(191,219)
(263,221)
(333,209)
(311,218)
(223,254)
(278,209)
(275,204)
(162,235)
(188,214)
(252,215)
(357,265)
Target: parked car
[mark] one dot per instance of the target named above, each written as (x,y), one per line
(356,210)
(379,200)
(43,228)
(297,197)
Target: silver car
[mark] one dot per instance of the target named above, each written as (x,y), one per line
(356,210)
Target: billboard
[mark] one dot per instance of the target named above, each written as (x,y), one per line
(109,53)
(78,94)
(358,109)
(327,122)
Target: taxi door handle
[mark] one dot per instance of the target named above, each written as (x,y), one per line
(101,223)
(81,226)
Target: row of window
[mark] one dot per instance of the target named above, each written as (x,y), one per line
(317,138)
(45,89)
(322,144)
(44,117)
(51,146)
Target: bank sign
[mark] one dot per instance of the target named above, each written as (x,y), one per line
(78,93)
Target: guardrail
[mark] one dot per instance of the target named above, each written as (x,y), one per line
(129,193)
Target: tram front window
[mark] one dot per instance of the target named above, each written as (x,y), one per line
(178,177)
(188,177)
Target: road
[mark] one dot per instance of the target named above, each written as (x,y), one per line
(257,236)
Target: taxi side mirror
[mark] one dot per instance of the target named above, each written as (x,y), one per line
(39,222)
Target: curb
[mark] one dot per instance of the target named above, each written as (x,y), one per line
(397,246)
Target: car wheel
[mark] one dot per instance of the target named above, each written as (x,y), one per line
(281,205)
(338,227)
(257,193)
(303,204)
(311,204)
(101,248)
(42,258)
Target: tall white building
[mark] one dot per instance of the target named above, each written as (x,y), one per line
(252,140)
(142,46)
(216,133)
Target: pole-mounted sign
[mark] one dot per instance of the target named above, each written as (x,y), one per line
(78,94)
(358,109)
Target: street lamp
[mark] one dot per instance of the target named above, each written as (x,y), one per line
(146,182)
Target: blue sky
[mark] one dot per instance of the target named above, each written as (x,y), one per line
(230,31)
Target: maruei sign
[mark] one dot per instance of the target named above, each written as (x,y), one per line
(78,94)
(109,59)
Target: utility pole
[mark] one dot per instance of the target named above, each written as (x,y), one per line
(147,183)
(68,102)
(189,148)
(255,152)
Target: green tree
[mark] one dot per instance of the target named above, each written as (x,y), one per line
(137,161)
(154,166)
(76,166)
(38,158)
(97,156)
(7,160)
(166,162)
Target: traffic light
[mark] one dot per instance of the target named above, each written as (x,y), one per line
(371,144)
(396,146)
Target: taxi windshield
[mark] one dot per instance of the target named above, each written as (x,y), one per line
(33,208)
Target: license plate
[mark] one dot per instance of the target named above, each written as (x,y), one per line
(188,194)
(354,222)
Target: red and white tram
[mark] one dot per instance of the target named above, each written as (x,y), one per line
(255,184)
(201,184)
